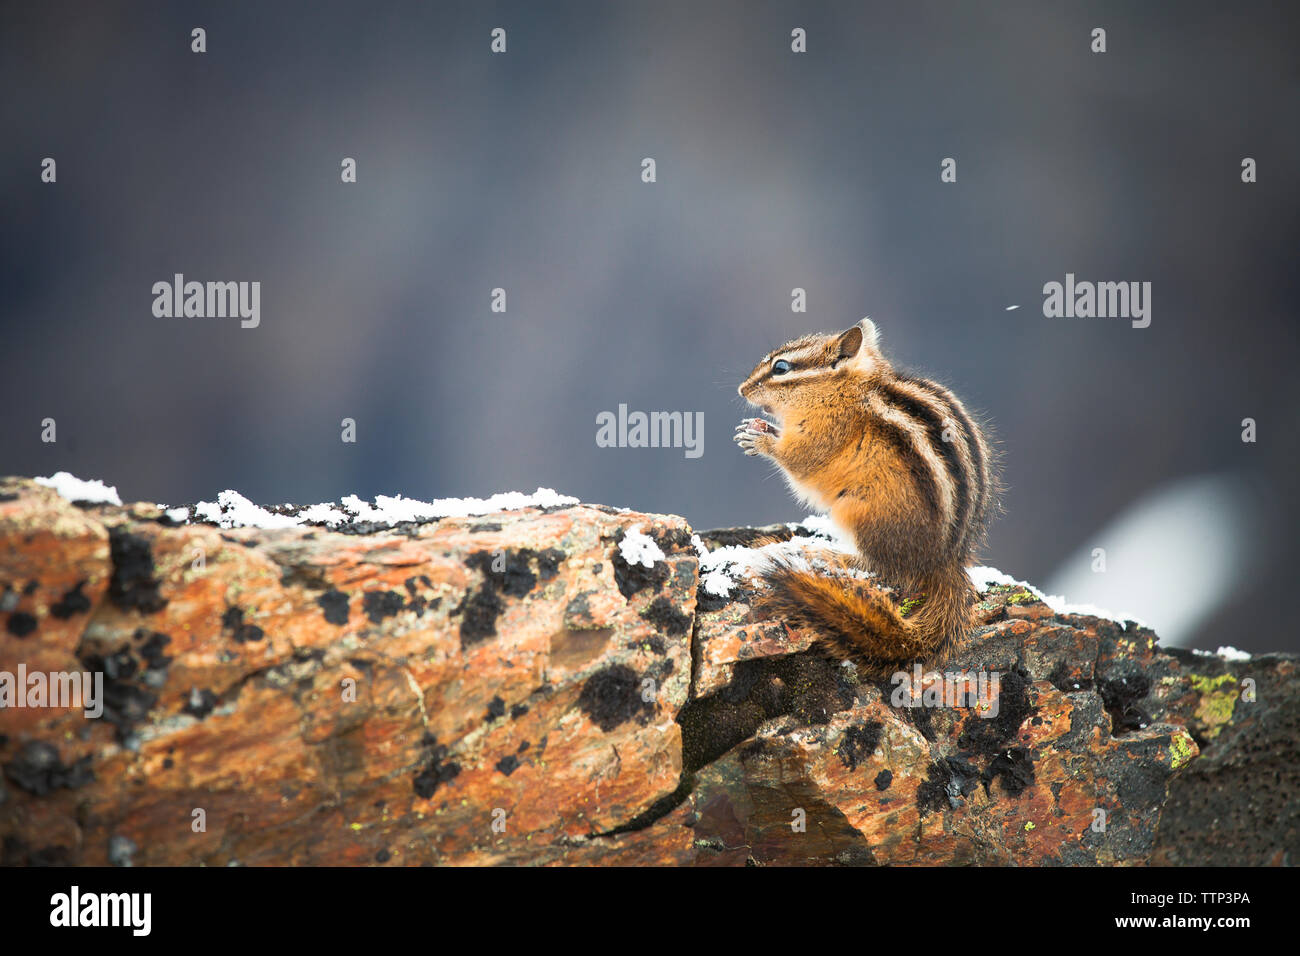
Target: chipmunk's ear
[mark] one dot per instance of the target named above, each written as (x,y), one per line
(847,345)
(862,336)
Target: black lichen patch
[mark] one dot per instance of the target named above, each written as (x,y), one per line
(1013,767)
(38,769)
(410,529)
(806,686)
(654,643)
(200,703)
(417,602)
(504,572)
(437,771)
(510,571)
(577,613)
(706,600)
(72,602)
(20,624)
(548,563)
(249,632)
(496,708)
(378,605)
(674,540)
(518,710)
(485,526)
(479,612)
(989,735)
(151,648)
(134,584)
(125,702)
(508,764)
(884,779)
(946,782)
(1122,696)
(859,743)
(922,720)
(666,617)
(383,856)
(613,696)
(1066,679)
(334,604)
(240,633)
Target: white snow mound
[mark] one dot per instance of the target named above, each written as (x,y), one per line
(74,489)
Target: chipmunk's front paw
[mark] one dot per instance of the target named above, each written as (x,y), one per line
(756,436)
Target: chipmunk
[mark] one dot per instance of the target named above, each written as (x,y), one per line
(900,466)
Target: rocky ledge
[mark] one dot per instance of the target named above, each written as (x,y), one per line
(561,685)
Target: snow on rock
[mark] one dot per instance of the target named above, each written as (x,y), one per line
(233,510)
(74,489)
(726,567)
(984,578)
(637,548)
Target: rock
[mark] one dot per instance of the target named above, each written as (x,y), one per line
(508,689)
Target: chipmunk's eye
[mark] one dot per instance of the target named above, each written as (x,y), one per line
(780,367)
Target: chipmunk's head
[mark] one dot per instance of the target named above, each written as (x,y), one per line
(799,373)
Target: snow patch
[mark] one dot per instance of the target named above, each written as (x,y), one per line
(984,578)
(396,509)
(233,510)
(74,489)
(723,569)
(636,548)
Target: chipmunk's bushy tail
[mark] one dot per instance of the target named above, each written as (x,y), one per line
(860,622)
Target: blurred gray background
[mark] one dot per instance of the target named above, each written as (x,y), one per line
(775,171)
